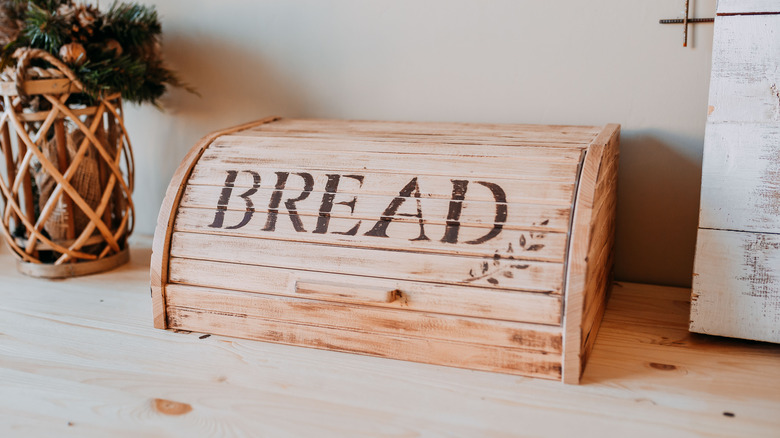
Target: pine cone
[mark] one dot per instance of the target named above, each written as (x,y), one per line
(10,24)
(83,22)
(113,45)
(73,54)
(86,15)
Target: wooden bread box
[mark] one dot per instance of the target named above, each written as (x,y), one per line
(487,247)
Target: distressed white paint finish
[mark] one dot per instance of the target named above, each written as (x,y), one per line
(745,82)
(736,285)
(741,178)
(748,6)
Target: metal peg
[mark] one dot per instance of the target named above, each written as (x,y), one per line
(685,21)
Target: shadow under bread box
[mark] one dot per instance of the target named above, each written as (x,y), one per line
(487,247)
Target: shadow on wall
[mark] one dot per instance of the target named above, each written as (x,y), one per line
(658,197)
(658,207)
(234,88)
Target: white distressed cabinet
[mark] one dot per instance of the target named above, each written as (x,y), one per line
(736,284)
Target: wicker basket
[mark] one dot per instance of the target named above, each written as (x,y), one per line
(68,175)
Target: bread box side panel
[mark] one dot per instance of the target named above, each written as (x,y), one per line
(591,254)
(164,230)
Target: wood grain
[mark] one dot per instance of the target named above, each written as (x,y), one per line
(40,86)
(736,289)
(745,49)
(464,133)
(248,141)
(450,353)
(479,302)
(73,365)
(748,7)
(585,285)
(401,232)
(740,187)
(66,270)
(483,168)
(397,265)
(736,255)
(164,229)
(558,193)
(511,244)
(366,319)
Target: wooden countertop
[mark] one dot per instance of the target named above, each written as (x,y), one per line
(79,357)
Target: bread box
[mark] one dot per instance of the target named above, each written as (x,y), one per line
(478,246)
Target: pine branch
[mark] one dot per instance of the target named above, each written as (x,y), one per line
(45,29)
(132,24)
(122,46)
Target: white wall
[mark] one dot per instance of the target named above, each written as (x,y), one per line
(564,62)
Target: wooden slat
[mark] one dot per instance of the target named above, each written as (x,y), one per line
(532,337)
(467,132)
(250,142)
(369,208)
(425,129)
(390,184)
(509,244)
(745,79)
(453,167)
(445,269)
(740,188)
(538,308)
(470,141)
(10,172)
(456,354)
(736,285)
(39,86)
(748,7)
(42,115)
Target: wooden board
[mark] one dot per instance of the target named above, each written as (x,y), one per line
(741,178)
(539,308)
(512,244)
(745,51)
(80,359)
(482,168)
(737,285)
(461,355)
(747,7)
(734,285)
(248,142)
(398,265)
(456,133)
(558,193)
(589,265)
(370,320)
(39,86)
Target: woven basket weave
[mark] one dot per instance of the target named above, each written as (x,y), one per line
(68,177)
